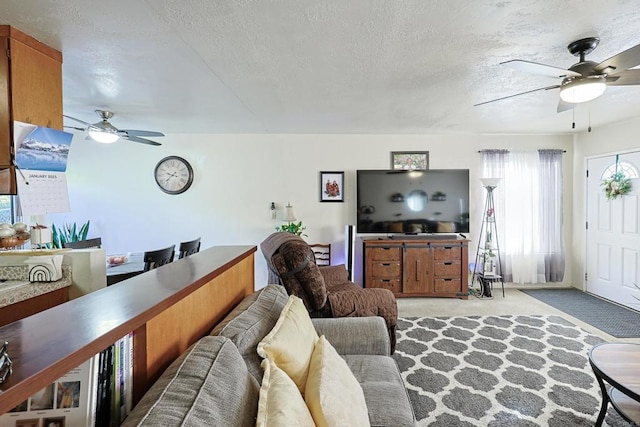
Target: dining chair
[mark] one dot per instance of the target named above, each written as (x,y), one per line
(322,253)
(159,257)
(84,244)
(188,248)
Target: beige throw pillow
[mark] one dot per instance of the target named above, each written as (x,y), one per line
(280,403)
(333,394)
(291,342)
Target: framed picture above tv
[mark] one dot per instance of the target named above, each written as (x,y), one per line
(332,186)
(409,160)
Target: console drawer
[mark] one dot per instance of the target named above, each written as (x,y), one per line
(384,254)
(447,269)
(447,252)
(447,285)
(392,284)
(385,269)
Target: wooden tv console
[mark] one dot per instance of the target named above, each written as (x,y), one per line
(418,266)
(167,309)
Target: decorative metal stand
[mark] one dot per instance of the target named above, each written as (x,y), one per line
(487,269)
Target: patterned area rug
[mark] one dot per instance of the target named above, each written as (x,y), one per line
(499,371)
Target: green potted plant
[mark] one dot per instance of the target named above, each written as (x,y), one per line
(293,227)
(69,233)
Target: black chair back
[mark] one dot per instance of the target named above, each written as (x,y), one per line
(189,248)
(157,258)
(84,244)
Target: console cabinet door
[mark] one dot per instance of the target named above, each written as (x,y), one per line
(417,270)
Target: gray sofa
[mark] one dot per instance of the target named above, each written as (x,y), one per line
(217,380)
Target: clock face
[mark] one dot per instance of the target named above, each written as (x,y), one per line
(174,175)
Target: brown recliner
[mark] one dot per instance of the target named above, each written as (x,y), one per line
(325,291)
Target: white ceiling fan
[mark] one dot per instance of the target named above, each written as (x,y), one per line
(106,133)
(584,80)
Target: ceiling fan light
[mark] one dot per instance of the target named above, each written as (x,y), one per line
(582,89)
(103,137)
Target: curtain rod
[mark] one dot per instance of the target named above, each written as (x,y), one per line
(489,150)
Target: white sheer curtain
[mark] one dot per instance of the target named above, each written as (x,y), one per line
(551,234)
(528,203)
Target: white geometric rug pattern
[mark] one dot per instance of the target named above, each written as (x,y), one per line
(499,371)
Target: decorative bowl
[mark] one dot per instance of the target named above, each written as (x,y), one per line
(17,239)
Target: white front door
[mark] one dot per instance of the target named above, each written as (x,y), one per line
(613,234)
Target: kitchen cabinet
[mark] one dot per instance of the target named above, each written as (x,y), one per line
(30,92)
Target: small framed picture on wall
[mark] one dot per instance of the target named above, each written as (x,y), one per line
(332,186)
(410,160)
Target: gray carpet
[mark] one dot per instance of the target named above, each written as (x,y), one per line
(613,319)
(499,371)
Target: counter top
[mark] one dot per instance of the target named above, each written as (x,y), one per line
(33,252)
(13,291)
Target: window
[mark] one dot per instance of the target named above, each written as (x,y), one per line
(528,213)
(628,169)
(6,209)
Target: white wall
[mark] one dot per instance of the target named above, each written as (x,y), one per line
(238,176)
(613,139)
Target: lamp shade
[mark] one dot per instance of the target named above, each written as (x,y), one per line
(490,182)
(582,89)
(289,216)
(103,137)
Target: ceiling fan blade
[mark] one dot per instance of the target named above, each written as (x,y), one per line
(75,128)
(141,140)
(77,120)
(540,69)
(621,62)
(564,106)
(133,132)
(518,94)
(628,78)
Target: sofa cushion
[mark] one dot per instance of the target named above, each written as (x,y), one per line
(291,342)
(332,393)
(300,274)
(340,332)
(384,390)
(250,321)
(281,403)
(334,274)
(207,385)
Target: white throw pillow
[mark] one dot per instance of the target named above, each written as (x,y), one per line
(291,342)
(280,403)
(333,394)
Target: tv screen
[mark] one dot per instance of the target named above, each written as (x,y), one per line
(413,202)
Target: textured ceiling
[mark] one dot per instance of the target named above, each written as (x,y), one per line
(327,66)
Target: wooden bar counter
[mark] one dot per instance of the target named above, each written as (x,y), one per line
(167,309)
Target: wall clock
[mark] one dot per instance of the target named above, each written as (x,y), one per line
(173,175)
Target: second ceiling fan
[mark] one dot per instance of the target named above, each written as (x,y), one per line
(584,80)
(105,132)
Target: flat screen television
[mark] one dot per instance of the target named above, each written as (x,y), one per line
(413,202)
